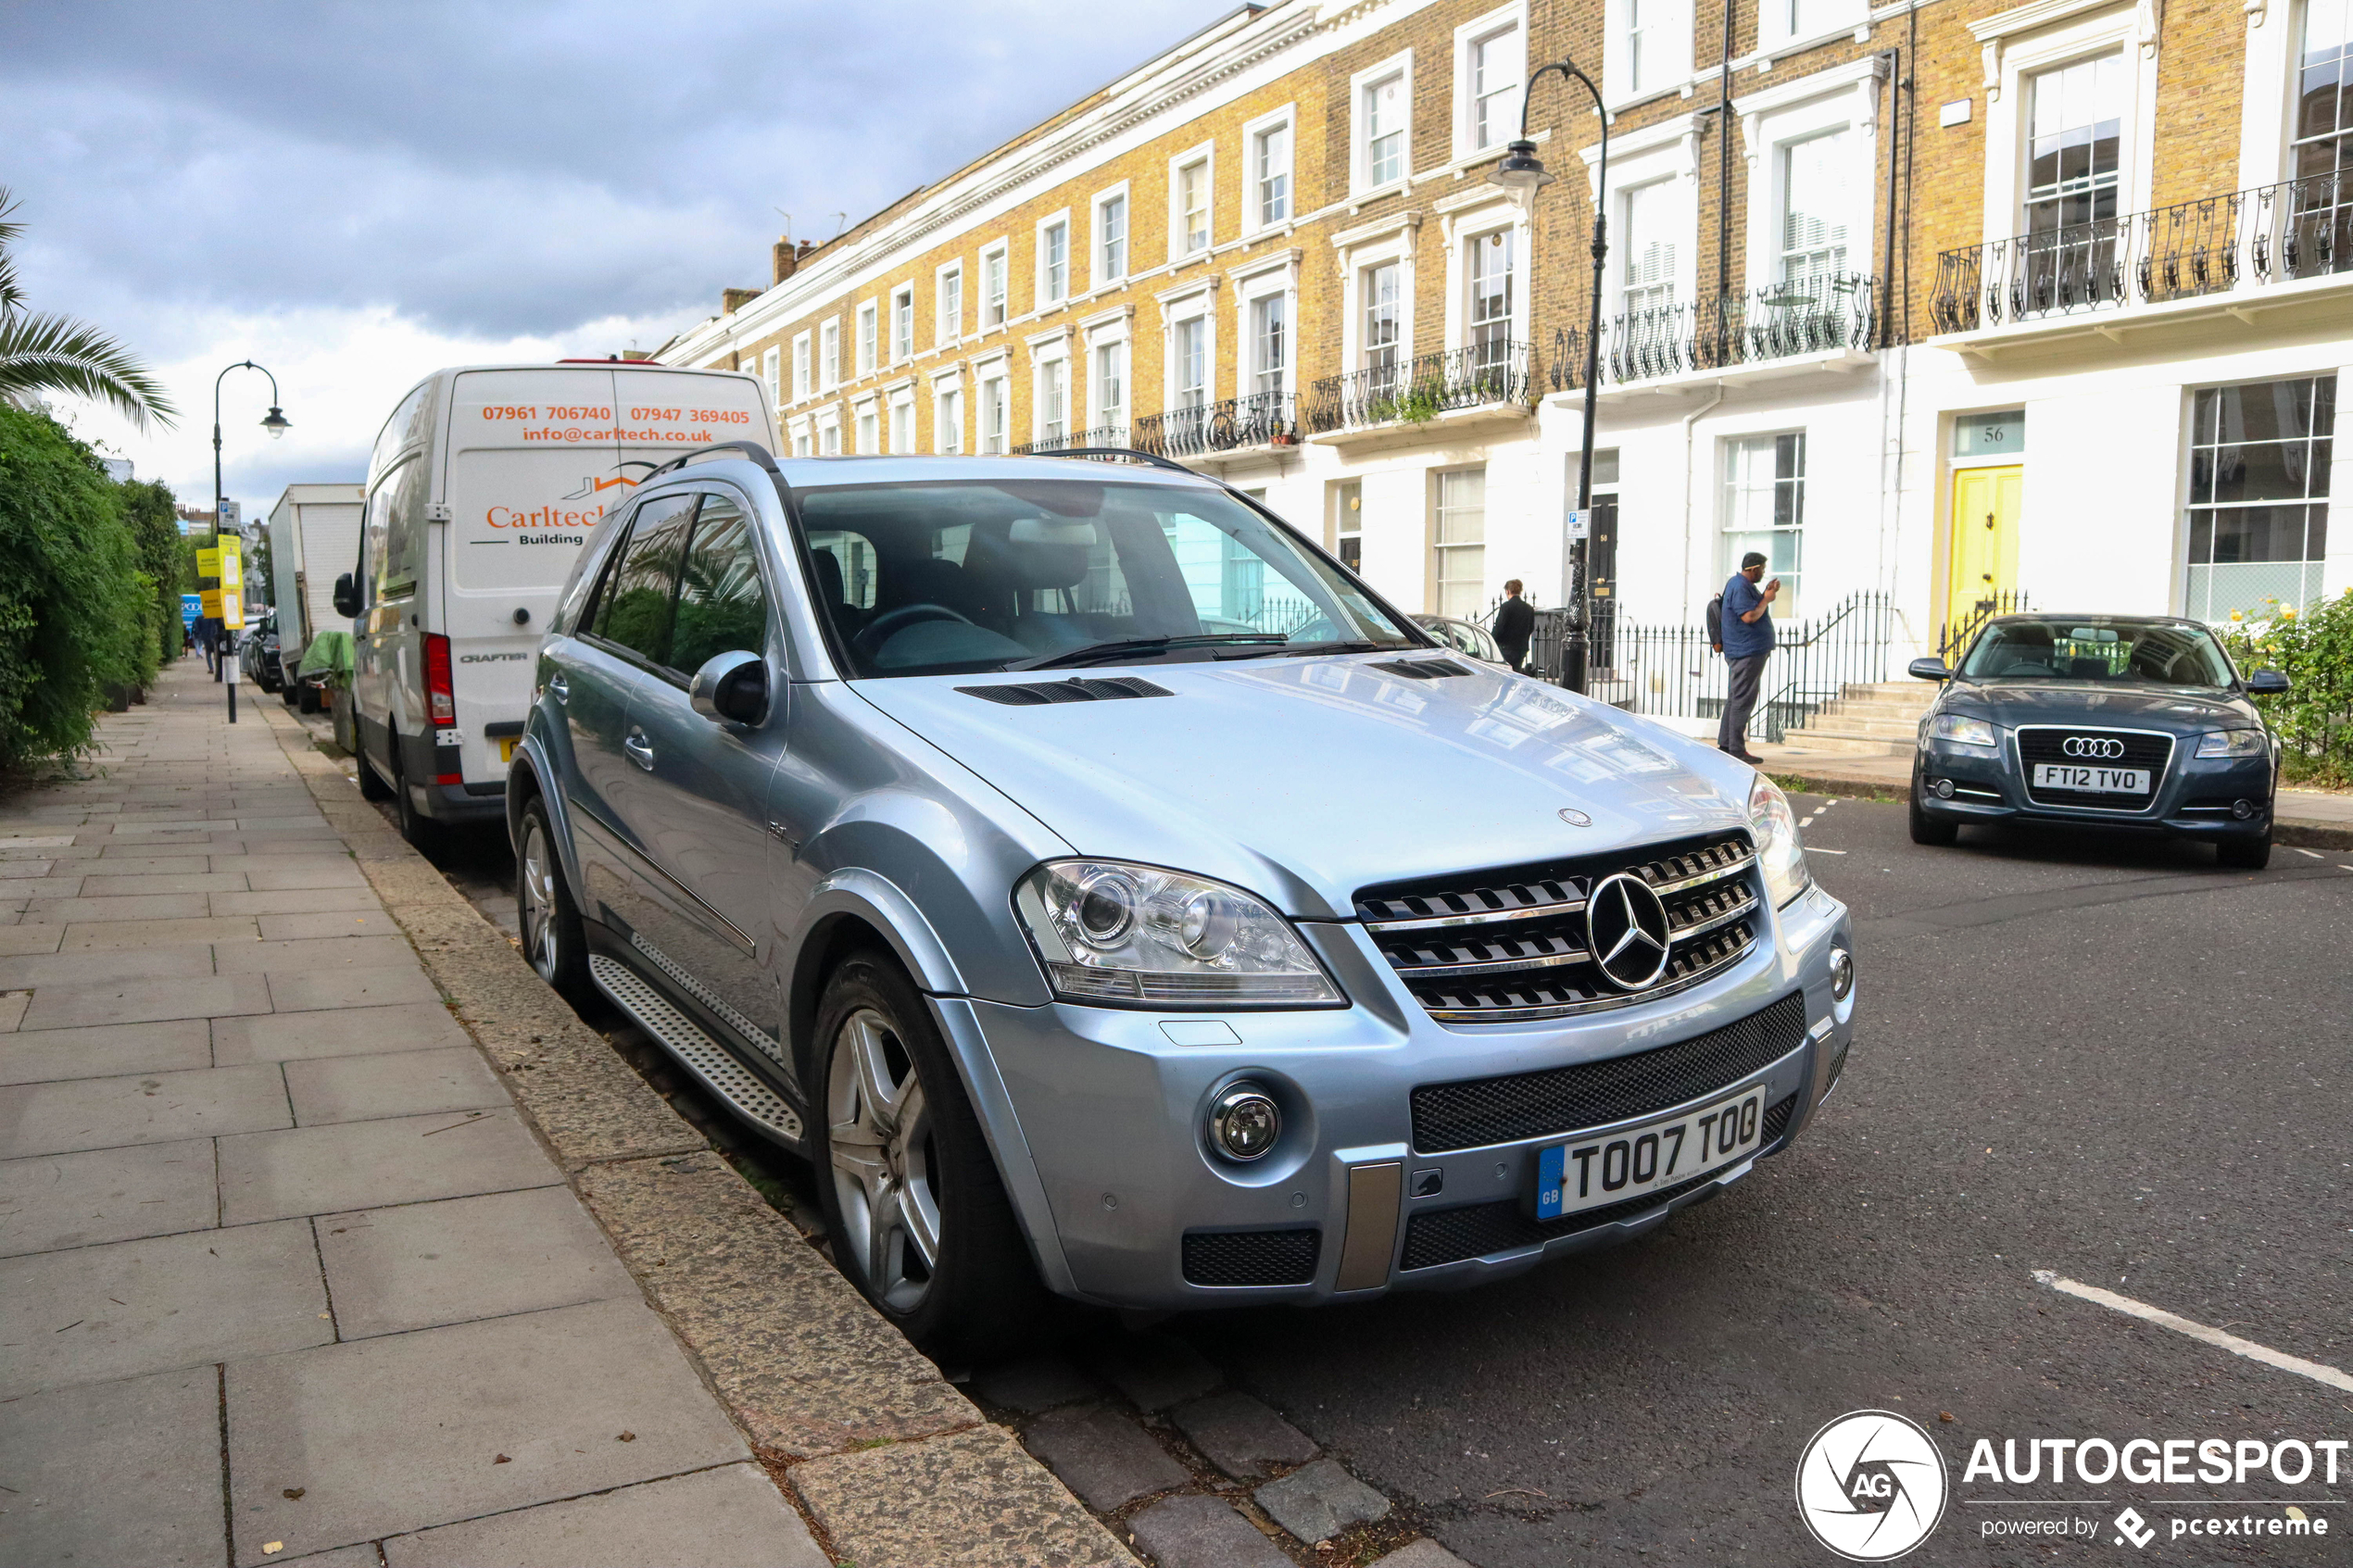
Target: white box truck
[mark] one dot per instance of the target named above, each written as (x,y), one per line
(484,485)
(314,535)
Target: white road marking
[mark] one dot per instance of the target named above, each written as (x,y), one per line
(2315,854)
(2318,1372)
(1811,849)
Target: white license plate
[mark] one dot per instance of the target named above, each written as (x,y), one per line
(2092,780)
(1599,1171)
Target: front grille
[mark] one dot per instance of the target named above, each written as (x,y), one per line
(1449,1236)
(1509,945)
(1251,1257)
(1594,1093)
(2048,744)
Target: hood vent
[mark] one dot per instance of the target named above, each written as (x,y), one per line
(1037,694)
(1423,669)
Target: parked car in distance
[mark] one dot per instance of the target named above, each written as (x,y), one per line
(257,654)
(908,803)
(1462,636)
(2132,723)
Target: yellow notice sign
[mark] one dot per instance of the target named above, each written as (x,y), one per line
(232,571)
(207,565)
(210,605)
(232,608)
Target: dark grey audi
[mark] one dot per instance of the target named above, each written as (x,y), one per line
(2137,723)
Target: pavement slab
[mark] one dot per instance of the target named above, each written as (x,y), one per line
(732,1514)
(105,1052)
(297,901)
(312,925)
(1423,1553)
(363,1164)
(145,1001)
(159,932)
(341,988)
(1241,1435)
(356,1032)
(1203,1532)
(72,1457)
(87,968)
(1319,1501)
(134,1307)
(392,1270)
(18,940)
(151,906)
(1103,1456)
(391,1435)
(386,949)
(61,1200)
(357,1088)
(970,1499)
(58,1118)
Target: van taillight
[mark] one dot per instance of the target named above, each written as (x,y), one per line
(441,700)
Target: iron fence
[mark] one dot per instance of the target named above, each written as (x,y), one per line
(1264,419)
(1674,672)
(1416,390)
(1101,435)
(2264,235)
(1955,636)
(1801,316)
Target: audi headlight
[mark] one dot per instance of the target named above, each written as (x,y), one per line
(1778,850)
(1111,932)
(2235,743)
(1964,731)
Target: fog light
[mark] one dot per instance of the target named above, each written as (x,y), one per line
(1944,789)
(1841,974)
(1244,1123)
(2242,810)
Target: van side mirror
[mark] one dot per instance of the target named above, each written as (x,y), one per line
(1930,669)
(346,596)
(2267,683)
(731,688)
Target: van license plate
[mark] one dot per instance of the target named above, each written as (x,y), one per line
(2092,780)
(1599,1171)
(507,750)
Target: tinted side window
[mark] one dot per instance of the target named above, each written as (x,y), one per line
(394,536)
(722,606)
(634,609)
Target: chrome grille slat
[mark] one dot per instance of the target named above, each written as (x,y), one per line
(1436,923)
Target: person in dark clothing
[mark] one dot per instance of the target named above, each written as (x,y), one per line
(1748,643)
(208,639)
(1515,623)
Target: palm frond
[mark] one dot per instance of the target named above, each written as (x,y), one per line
(11,294)
(59,353)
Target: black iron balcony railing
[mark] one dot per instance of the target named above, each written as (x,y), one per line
(1801,316)
(1264,419)
(1417,389)
(1102,435)
(2266,234)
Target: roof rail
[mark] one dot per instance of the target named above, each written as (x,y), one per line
(758,454)
(1129,453)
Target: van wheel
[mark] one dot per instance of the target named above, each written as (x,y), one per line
(553,942)
(919,1219)
(423,833)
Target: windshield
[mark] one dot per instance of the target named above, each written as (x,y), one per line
(2111,651)
(974,575)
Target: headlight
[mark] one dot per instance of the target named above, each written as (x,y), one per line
(2235,743)
(1964,731)
(1778,850)
(1110,932)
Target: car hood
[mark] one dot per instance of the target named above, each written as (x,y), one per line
(2176,709)
(1304,779)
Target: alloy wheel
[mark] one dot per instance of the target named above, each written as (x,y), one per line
(885,1164)
(537,882)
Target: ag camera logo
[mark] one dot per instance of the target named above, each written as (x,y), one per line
(1871,1485)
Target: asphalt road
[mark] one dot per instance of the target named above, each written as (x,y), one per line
(2110,1060)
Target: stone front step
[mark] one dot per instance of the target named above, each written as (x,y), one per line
(1864,724)
(1846,743)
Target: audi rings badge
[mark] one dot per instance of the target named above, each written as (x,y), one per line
(2101,747)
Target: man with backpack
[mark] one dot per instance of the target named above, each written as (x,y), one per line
(1515,623)
(1741,627)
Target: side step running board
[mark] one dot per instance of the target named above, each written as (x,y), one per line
(711,1062)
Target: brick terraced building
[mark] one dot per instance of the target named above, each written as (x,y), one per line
(1931,301)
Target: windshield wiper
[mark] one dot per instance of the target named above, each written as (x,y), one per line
(1096,653)
(1359,646)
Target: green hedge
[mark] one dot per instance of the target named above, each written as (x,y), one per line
(77,617)
(2314,648)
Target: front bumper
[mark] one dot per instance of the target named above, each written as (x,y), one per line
(1107,1111)
(2199,797)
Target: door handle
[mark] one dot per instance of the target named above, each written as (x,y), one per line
(640,749)
(559,688)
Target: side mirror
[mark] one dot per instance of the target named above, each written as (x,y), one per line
(2266,683)
(346,596)
(731,688)
(1930,669)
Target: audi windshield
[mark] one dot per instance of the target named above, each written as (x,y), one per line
(2111,650)
(971,575)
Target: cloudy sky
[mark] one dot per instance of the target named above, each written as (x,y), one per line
(353,194)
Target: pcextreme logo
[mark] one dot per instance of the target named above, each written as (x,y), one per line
(1871,1485)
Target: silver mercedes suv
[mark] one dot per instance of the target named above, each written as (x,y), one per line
(1111,895)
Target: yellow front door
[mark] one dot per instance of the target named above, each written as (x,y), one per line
(1984,560)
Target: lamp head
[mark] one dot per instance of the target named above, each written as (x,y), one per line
(276,423)
(1521,173)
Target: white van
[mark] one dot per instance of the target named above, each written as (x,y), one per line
(482,490)
(314,529)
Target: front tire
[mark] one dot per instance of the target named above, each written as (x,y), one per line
(2244,854)
(919,1219)
(553,942)
(1926,829)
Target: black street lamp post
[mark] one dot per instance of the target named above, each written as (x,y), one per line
(1523,174)
(277,424)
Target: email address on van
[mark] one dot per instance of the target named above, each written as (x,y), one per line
(570,434)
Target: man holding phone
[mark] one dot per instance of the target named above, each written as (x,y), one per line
(1748,643)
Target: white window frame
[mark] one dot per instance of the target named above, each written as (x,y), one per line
(1667,37)
(1057,356)
(829,431)
(1467,230)
(1100,270)
(867,423)
(1435,596)
(829,354)
(947,316)
(771,372)
(993,391)
(899,428)
(869,337)
(902,324)
(1254,221)
(947,413)
(1119,416)
(1655,153)
(1203,157)
(1038,277)
(1827,20)
(1508,19)
(1197,301)
(803,366)
(1001,253)
(2012,53)
(1360,181)
(800,439)
(1769,133)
